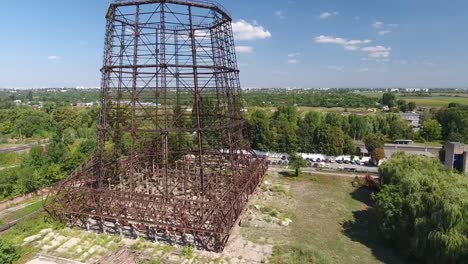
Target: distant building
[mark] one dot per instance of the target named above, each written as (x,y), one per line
(456,156)
(413,120)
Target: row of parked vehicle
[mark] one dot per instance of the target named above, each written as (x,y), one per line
(318,162)
(339,161)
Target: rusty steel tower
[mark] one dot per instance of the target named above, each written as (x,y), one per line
(173,162)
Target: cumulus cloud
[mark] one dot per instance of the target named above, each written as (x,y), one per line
(293,61)
(280,14)
(377,51)
(244,30)
(356,45)
(293,58)
(378,24)
(54,58)
(244,49)
(293,55)
(326,15)
(384,32)
(352,44)
(383,28)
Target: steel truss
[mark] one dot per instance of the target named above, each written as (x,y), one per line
(172,160)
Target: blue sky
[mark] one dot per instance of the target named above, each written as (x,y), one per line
(296,43)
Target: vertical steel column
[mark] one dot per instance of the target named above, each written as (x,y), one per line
(165,132)
(196,98)
(134,97)
(103,125)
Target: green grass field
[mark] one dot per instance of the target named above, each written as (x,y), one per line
(332,223)
(33,206)
(435,100)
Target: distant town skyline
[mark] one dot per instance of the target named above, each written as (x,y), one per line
(295,43)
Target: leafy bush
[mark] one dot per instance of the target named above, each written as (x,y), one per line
(423,209)
(8,252)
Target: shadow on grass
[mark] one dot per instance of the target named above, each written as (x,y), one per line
(363,195)
(288,174)
(363,229)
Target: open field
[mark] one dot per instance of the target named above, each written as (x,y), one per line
(310,219)
(331,222)
(434,100)
(320,109)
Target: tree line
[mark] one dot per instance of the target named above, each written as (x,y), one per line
(72,138)
(288,130)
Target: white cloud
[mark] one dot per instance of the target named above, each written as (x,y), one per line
(54,58)
(351,47)
(377,51)
(244,49)
(378,24)
(293,55)
(244,30)
(340,41)
(280,14)
(326,15)
(293,58)
(334,68)
(384,32)
(383,28)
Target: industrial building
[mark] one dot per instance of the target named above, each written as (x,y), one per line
(456,156)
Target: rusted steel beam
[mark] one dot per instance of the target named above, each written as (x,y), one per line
(172,154)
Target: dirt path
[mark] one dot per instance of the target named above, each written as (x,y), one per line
(17,208)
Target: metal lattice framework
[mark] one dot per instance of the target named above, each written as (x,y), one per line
(172,160)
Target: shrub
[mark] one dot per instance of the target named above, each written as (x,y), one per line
(423,209)
(8,253)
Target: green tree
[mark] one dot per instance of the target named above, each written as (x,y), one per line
(260,132)
(286,124)
(374,141)
(389,99)
(307,127)
(297,163)
(329,140)
(412,106)
(454,121)
(431,130)
(349,147)
(422,209)
(36,157)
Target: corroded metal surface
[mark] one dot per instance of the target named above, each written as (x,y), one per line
(172,158)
